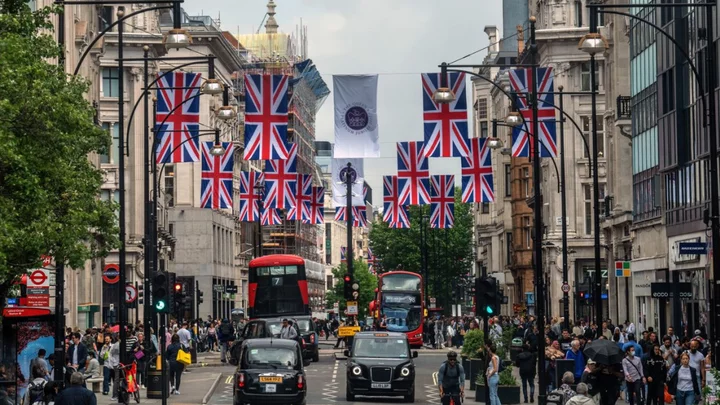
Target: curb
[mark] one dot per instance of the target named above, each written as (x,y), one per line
(211,391)
(208,364)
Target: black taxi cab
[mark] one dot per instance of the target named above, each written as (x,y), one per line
(380,364)
(270,371)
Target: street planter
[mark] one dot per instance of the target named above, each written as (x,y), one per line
(476,366)
(466,366)
(508,394)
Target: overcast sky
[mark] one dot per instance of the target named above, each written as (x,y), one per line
(398,39)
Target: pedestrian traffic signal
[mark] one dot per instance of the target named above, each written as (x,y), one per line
(487,297)
(160,292)
(348,290)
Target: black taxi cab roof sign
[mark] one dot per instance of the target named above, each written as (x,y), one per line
(381,335)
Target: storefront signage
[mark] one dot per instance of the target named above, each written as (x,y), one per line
(680,254)
(692,248)
(666,290)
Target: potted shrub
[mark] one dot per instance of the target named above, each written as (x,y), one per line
(472,354)
(508,388)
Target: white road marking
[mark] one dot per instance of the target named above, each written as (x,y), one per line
(335,369)
(435,378)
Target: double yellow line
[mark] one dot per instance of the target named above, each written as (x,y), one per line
(435,378)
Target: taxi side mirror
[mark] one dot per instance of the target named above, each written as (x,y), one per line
(414,354)
(346,352)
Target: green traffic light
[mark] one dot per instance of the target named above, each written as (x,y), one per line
(489,310)
(160,305)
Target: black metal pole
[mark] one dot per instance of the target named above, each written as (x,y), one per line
(563,212)
(149,266)
(627,299)
(423,268)
(537,217)
(137,305)
(349,217)
(197,300)
(153,215)
(163,361)
(597,293)
(711,81)
(122,308)
(485,318)
(59,261)
(261,207)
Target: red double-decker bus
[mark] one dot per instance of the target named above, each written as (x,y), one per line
(278,287)
(400,299)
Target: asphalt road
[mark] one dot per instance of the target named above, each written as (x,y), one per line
(326,382)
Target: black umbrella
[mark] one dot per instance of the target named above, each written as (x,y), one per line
(604,351)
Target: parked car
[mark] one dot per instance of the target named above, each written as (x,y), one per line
(270,371)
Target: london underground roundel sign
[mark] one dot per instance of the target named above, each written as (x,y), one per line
(111,273)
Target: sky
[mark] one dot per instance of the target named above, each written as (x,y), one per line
(397,39)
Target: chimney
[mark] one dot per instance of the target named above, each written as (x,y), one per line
(493,33)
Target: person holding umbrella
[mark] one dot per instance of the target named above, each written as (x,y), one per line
(606,373)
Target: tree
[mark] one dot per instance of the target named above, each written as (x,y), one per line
(362,276)
(48,188)
(449,251)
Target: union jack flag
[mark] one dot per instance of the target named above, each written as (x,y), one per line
(522,144)
(280,180)
(317,206)
(266,117)
(359,216)
(249,207)
(446,127)
(372,260)
(395,214)
(477,175)
(413,173)
(178,135)
(303,196)
(216,189)
(270,216)
(442,208)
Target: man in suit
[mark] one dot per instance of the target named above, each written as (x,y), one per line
(77,354)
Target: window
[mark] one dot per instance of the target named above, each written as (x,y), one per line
(525,175)
(587,188)
(169,186)
(586,125)
(329,283)
(481,108)
(508,248)
(328,243)
(527,232)
(508,180)
(113,155)
(578,13)
(485,208)
(483,129)
(111,82)
(105,195)
(105,17)
(585,76)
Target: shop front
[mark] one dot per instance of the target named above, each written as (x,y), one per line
(688,265)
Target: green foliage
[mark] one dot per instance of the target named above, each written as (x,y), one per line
(473,344)
(504,343)
(449,251)
(48,188)
(507,378)
(366,280)
(707,391)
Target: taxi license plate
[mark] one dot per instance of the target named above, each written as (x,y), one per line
(271,379)
(271,388)
(382,386)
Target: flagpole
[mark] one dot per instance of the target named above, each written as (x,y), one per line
(349,218)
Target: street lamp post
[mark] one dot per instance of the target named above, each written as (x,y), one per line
(563,212)
(260,193)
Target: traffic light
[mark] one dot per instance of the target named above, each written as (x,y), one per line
(160,292)
(199,297)
(141,296)
(487,296)
(348,290)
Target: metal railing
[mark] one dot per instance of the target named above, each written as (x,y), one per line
(624,108)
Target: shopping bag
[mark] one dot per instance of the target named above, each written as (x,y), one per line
(668,397)
(183,357)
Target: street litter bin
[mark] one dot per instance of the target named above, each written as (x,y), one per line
(154,378)
(515,348)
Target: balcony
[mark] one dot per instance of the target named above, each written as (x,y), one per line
(624,108)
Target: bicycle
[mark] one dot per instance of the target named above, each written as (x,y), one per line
(452,397)
(128,383)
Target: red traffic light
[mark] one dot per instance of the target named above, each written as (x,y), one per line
(347,278)
(178,286)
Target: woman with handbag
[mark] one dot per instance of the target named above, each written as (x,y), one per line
(176,368)
(139,354)
(684,382)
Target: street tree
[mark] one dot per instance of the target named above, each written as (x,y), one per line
(365,280)
(49,189)
(449,252)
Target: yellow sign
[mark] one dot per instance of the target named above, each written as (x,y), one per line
(426,312)
(352,308)
(346,331)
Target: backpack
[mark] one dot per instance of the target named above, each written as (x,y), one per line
(37,393)
(226,331)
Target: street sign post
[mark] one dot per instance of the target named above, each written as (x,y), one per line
(352,308)
(38,288)
(130,293)
(346,331)
(111,273)
(565,288)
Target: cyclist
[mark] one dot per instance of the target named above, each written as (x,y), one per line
(451,380)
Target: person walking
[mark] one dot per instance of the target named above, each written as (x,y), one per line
(451,380)
(492,371)
(684,382)
(581,397)
(656,371)
(634,376)
(527,365)
(226,334)
(76,393)
(176,368)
